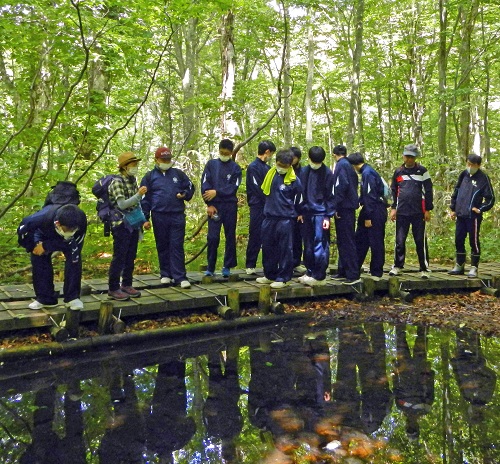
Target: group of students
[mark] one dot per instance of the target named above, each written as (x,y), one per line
(291,209)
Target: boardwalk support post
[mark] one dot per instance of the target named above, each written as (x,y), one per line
(369,287)
(58,332)
(394,287)
(233,300)
(117,325)
(277,308)
(73,322)
(105,317)
(265,299)
(226,312)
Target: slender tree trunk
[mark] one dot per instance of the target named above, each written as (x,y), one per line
(228,63)
(442,67)
(355,100)
(287,120)
(310,77)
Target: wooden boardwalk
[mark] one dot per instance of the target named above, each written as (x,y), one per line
(160,300)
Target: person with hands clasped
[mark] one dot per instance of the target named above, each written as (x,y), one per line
(412,204)
(317,183)
(220,181)
(126,197)
(168,188)
(473,195)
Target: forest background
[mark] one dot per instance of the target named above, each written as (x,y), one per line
(83,81)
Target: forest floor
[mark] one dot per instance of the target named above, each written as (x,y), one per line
(451,311)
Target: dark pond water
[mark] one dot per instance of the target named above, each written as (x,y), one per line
(349,393)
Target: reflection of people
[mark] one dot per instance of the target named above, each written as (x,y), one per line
(124,438)
(413,379)
(219,183)
(473,196)
(221,412)
(475,379)
(165,201)
(168,426)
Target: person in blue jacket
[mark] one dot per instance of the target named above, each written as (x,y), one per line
(256,172)
(317,183)
(412,205)
(297,236)
(168,188)
(345,203)
(283,192)
(219,183)
(473,195)
(370,230)
(55,228)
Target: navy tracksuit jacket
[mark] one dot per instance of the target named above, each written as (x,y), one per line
(412,196)
(345,203)
(256,172)
(224,178)
(373,208)
(168,217)
(470,192)
(40,227)
(318,206)
(283,205)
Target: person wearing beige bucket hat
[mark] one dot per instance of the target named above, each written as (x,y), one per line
(126,197)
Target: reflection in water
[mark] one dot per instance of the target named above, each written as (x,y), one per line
(270,396)
(413,379)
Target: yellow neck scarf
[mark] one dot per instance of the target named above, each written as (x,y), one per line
(268,180)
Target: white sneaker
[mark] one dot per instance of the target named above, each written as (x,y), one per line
(365,269)
(165,280)
(424,275)
(300,268)
(75,304)
(37,305)
(303,279)
(375,278)
(395,271)
(263,280)
(251,271)
(185,284)
(278,284)
(312,282)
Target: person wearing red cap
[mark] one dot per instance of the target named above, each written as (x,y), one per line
(168,190)
(125,196)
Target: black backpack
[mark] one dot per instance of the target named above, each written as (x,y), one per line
(63,193)
(105,210)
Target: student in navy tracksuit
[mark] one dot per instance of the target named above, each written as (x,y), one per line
(297,237)
(219,183)
(412,204)
(55,228)
(283,201)
(168,190)
(473,195)
(345,203)
(256,172)
(317,183)
(370,231)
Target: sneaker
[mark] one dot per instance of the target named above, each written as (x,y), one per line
(251,271)
(165,280)
(75,304)
(129,290)
(312,282)
(375,278)
(352,281)
(424,275)
(300,268)
(278,284)
(185,284)
(118,295)
(365,269)
(338,277)
(395,271)
(37,305)
(226,272)
(209,273)
(472,272)
(457,270)
(303,279)
(263,280)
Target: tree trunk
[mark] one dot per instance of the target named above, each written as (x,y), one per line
(442,67)
(310,77)
(287,120)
